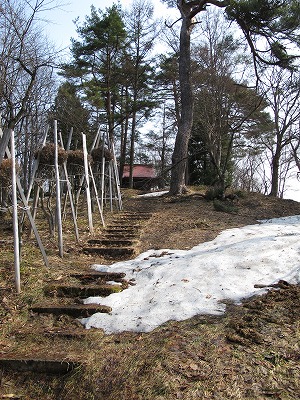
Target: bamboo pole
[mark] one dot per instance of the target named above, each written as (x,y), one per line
(58,199)
(15,215)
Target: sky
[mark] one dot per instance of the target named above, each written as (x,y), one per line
(179,284)
(61,28)
(292,186)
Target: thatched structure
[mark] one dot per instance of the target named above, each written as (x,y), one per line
(75,161)
(47,155)
(76,157)
(97,154)
(5,171)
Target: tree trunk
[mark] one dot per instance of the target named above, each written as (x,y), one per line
(124,132)
(275,173)
(179,157)
(132,140)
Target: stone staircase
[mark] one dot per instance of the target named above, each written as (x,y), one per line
(120,236)
(118,242)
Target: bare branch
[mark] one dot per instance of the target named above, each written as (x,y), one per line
(171,26)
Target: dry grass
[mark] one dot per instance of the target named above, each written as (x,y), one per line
(252,352)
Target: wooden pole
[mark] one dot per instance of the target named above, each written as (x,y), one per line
(34,171)
(34,206)
(82,177)
(69,190)
(117,178)
(69,139)
(77,196)
(71,201)
(110,186)
(102,173)
(15,215)
(36,165)
(27,210)
(87,178)
(97,197)
(96,140)
(61,139)
(58,200)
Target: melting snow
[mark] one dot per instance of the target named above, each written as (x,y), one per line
(178,284)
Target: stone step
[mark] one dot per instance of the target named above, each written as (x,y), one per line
(111,252)
(81,291)
(49,366)
(111,242)
(132,218)
(137,214)
(76,310)
(120,230)
(73,331)
(120,235)
(98,275)
(123,227)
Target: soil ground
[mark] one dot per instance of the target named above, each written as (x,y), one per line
(252,352)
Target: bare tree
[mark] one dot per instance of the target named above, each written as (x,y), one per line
(23,54)
(282,91)
(276,24)
(32,126)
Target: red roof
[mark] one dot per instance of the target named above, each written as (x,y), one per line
(140,171)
